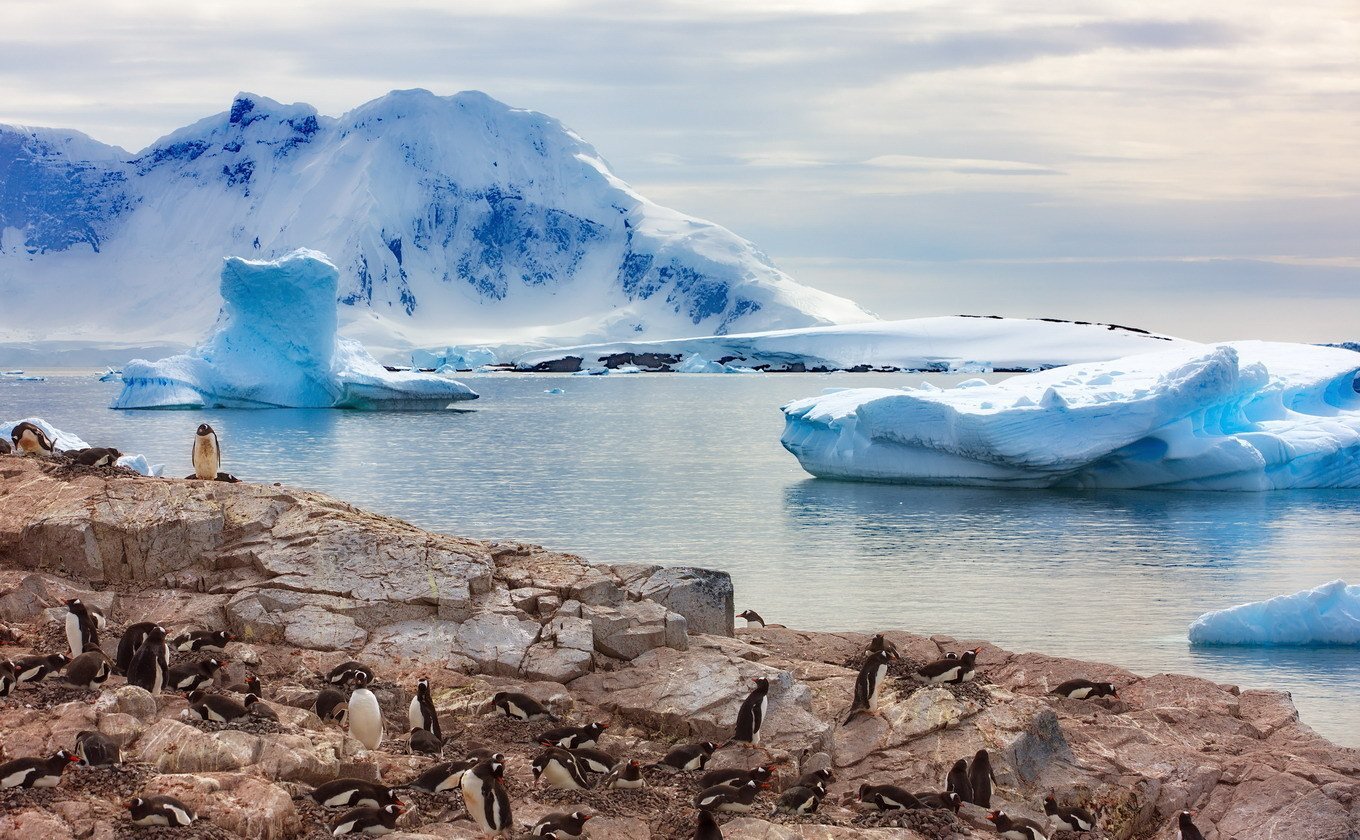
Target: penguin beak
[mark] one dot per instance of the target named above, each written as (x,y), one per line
(992,816)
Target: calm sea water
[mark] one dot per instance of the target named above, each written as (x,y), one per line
(677,469)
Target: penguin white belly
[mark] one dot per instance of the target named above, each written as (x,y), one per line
(159,681)
(206,461)
(878,687)
(74,638)
(516,711)
(760,720)
(47,781)
(560,777)
(629,784)
(1081,694)
(968,675)
(15,779)
(414,717)
(365,718)
(474,801)
(694,763)
(343,828)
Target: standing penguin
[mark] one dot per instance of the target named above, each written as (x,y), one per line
(872,674)
(1185,827)
(422,714)
(958,780)
(753,619)
(89,670)
(82,628)
(485,798)
(207,455)
(980,779)
(151,662)
(751,715)
(707,827)
(132,639)
(365,718)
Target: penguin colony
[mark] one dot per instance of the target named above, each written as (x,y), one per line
(571,758)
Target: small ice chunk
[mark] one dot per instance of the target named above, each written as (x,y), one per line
(1327,615)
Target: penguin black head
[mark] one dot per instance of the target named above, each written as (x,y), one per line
(205,429)
(1110,689)
(955,801)
(359,679)
(761,683)
(134,802)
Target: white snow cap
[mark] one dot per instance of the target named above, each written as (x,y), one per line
(1327,615)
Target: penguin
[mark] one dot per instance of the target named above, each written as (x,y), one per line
(160,810)
(34,668)
(353,793)
(574,737)
(707,827)
(817,780)
(151,662)
(7,677)
(1068,819)
(251,685)
(193,641)
(485,798)
(30,439)
(89,670)
(949,670)
(344,672)
(958,781)
(131,639)
(947,801)
(626,775)
(425,741)
(96,457)
(685,757)
(1185,827)
(751,715)
(96,749)
(558,768)
(218,708)
(371,821)
(191,676)
(592,760)
(521,706)
(1016,828)
(82,628)
(422,714)
(980,779)
(735,777)
(733,800)
(36,772)
(888,797)
(881,642)
(257,708)
(799,800)
(363,714)
(566,826)
(753,619)
(206,455)
(442,777)
(872,675)
(1085,690)
(331,704)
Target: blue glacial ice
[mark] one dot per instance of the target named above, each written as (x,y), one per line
(275,345)
(1327,615)
(1244,415)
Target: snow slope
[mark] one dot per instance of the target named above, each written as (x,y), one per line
(451,218)
(1238,416)
(1327,615)
(276,345)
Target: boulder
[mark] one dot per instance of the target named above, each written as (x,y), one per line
(564,651)
(703,596)
(628,630)
(241,804)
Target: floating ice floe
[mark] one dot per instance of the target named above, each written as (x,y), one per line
(554,391)
(1327,615)
(1245,415)
(695,363)
(111,375)
(275,345)
(66,442)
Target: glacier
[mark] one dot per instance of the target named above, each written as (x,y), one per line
(1246,415)
(67,442)
(1327,615)
(276,345)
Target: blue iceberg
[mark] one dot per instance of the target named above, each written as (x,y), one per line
(275,346)
(1327,615)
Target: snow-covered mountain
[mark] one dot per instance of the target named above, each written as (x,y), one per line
(452,219)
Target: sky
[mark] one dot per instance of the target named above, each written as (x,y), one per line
(1189,167)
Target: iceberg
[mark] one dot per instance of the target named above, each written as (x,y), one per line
(67,442)
(1327,615)
(1246,415)
(275,345)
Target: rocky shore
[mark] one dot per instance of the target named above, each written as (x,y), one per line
(305,582)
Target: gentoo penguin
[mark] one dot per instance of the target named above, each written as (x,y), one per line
(818,779)
(1068,819)
(958,781)
(566,826)
(949,670)
(364,716)
(442,777)
(82,628)
(193,641)
(422,714)
(735,800)
(1085,690)
(218,708)
(96,457)
(425,741)
(686,757)
(7,678)
(707,827)
(557,768)
(257,708)
(626,775)
(1016,828)
(34,668)
(151,662)
(251,685)
(89,670)
(131,639)
(193,675)
(799,800)
(880,642)
(485,798)
(371,821)
(980,779)
(753,618)
(751,715)
(888,797)
(869,684)
(593,760)
(521,706)
(736,777)
(29,439)
(36,772)
(353,793)
(331,705)
(1185,827)
(96,749)
(344,672)
(947,801)
(160,810)
(574,737)
(207,455)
